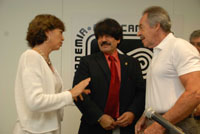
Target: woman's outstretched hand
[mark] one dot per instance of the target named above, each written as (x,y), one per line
(80,88)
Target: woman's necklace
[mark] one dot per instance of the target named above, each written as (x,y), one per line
(48,61)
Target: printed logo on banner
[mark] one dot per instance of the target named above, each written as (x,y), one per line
(86,44)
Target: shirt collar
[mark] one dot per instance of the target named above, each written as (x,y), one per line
(115,55)
(163,43)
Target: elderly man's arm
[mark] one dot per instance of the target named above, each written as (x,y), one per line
(185,105)
(188,101)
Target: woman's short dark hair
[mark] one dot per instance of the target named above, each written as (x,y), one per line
(41,24)
(109,27)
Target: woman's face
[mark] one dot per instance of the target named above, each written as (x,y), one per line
(55,38)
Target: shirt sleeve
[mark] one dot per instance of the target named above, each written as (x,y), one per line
(185,58)
(33,80)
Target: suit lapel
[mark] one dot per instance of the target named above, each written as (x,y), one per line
(101,60)
(123,64)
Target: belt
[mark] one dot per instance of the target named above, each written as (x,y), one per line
(197,117)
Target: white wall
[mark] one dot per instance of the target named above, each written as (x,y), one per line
(16,14)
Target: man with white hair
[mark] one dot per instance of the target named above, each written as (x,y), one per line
(173,87)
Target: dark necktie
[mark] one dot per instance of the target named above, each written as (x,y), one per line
(112,103)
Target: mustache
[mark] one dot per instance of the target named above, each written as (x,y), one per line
(105,43)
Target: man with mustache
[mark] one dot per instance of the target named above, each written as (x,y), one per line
(173,87)
(117,87)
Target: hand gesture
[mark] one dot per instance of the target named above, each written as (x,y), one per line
(80,88)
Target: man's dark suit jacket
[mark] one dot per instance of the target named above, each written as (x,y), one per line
(132,91)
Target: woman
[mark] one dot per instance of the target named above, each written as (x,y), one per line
(39,93)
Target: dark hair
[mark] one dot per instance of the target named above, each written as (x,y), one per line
(41,24)
(157,15)
(109,27)
(194,34)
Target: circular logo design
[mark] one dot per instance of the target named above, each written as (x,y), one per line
(143,55)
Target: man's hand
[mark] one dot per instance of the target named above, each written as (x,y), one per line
(107,122)
(140,125)
(125,119)
(155,128)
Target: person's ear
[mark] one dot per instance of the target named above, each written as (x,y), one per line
(48,35)
(157,26)
(118,41)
